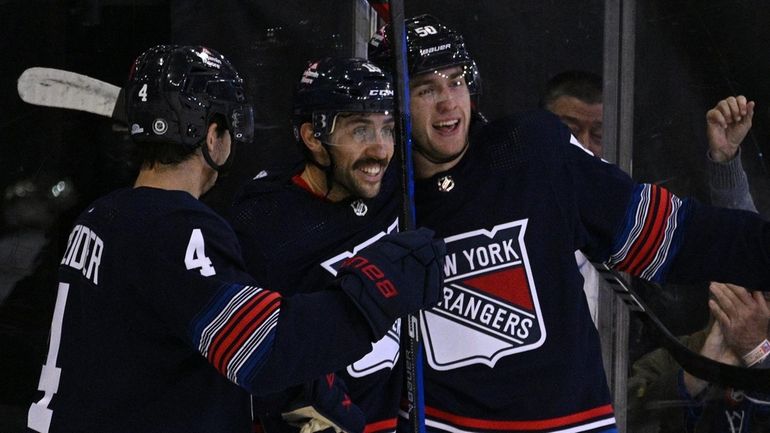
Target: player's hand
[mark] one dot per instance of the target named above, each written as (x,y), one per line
(727,125)
(397,275)
(715,347)
(742,315)
(325,406)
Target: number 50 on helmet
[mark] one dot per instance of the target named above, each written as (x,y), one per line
(431,46)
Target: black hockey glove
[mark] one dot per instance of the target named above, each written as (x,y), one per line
(397,275)
(324,406)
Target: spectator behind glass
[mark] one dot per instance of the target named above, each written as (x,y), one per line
(576,97)
(664,398)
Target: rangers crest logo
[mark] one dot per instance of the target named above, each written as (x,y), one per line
(385,352)
(490,307)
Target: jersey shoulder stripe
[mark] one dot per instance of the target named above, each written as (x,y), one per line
(236,330)
(650,232)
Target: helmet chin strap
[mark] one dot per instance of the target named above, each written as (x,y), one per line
(329,177)
(327,169)
(224,168)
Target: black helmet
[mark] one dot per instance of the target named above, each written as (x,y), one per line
(340,85)
(430,46)
(173,92)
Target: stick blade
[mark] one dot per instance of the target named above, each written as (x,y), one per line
(64,89)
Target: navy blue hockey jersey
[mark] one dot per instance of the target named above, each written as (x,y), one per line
(295,241)
(157,328)
(511,347)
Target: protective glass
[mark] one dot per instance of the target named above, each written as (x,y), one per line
(225,90)
(242,123)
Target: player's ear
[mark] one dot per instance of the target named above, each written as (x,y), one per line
(307,135)
(215,142)
(313,144)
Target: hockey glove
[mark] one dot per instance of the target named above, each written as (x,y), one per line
(397,275)
(324,406)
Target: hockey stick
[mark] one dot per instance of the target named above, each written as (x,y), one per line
(694,363)
(412,350)
(64,89)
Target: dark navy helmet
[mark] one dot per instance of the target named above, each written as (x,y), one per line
(174,91)
(340,85)
(431,46)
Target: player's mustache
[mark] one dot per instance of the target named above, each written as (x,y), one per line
(369,161)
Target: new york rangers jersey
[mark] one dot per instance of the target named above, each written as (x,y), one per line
(157,328)
(296,241)
(511,347)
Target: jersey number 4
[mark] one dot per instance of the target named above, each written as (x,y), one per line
(39,415)
(195,256)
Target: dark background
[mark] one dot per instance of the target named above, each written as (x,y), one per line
(689,55)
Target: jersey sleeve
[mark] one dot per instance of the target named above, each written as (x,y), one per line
(647,231)
(255,337)
(266,343)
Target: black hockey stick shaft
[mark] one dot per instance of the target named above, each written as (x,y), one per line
(694,363)
(411,349)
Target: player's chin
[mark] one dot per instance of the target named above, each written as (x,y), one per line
(447,146)
(368,190)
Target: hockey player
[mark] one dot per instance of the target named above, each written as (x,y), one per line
(340,200)
(157,327)
(511,346)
